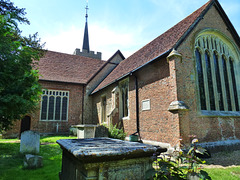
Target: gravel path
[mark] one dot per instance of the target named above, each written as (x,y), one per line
(223,160)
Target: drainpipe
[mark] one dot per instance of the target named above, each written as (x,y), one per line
(137,106)
(82,103)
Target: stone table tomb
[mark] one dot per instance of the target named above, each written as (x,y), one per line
(104,158)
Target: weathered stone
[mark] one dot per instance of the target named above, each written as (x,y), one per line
(33,161)
(85,130)
(177,105)
(105,158)
(30,142)
(73,131)
(101,131)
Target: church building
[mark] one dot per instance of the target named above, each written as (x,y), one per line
(185,82)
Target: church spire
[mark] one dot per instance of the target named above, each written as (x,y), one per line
(85,48)
(85,38)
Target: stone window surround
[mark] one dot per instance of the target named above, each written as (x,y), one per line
(55,93)
(102,105)
(230,52)
(124,86)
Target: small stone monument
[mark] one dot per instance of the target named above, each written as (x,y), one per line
(33,161)
(30,142)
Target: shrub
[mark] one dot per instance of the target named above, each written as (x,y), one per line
(115,132)
(179,164)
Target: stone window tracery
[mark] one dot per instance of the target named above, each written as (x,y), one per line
(54,105)
(216,65)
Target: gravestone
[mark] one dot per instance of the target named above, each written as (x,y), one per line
(30,142)
(33,161)
(101,131)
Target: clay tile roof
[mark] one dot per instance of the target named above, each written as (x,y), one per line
(55,66)
(155,48)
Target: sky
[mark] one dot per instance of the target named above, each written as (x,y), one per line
(125,25)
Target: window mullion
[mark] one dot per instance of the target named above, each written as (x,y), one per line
(54,104)
(61,101)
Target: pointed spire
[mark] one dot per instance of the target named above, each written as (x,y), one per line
(85,38)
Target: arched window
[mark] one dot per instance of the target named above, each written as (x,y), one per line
(124,98)
(216,66)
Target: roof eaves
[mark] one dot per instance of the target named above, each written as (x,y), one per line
(107,62)
(129,73)
(62,82)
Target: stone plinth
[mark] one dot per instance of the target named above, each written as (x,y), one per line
(85,130)
(105,158)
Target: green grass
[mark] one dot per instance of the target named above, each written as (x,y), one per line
(230,173)
(8,140)
(53,139)
(11,161)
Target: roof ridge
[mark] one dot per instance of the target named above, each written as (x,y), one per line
(73,55)
(157,47)
(206,4)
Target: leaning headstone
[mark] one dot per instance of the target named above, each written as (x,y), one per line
(30,142)
(101,131)
(33,161)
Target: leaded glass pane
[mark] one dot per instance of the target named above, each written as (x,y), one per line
(200,80)
(51,108)
(57,108)
(64,108)
(218,81)
(234,84)
(210,83)
(44,108)
(225,72)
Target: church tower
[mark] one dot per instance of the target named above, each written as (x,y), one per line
(85,48)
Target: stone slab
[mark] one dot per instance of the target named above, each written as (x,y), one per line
(104,158)
(93,149)
(30,142)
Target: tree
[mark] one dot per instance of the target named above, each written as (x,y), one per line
(19,87)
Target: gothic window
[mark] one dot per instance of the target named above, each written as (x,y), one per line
(216,67)
(54,105)
(124,98)
(104,109)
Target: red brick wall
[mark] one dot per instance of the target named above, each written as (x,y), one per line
(156,82)
(74,111)
(206,128)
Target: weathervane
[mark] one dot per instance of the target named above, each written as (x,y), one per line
(86,10)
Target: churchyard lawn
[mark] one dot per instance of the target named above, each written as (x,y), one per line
(11,161)
(221,166)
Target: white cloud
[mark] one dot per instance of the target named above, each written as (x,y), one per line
(102,39)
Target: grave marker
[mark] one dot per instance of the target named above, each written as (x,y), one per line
(30,142)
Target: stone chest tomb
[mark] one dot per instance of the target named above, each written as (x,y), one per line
(104,158)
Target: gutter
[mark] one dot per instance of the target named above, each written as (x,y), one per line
(61,82)
(83,103)
(131,72)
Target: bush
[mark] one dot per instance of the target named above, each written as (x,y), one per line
(115,132)
(179,164)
